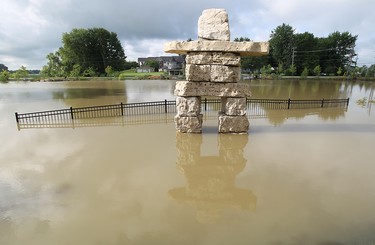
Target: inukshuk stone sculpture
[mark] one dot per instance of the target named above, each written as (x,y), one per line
(213,69)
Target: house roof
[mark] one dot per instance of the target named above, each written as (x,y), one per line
(179,59)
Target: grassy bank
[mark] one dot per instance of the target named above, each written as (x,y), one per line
(328,78)
(131,74)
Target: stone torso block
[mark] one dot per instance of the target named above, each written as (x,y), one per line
(212,73)
(213,58)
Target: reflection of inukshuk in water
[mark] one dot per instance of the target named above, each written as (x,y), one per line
(213,69)
(210,180)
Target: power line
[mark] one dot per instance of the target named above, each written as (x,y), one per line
(312,51)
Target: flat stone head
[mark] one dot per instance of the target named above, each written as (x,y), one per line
(213,24)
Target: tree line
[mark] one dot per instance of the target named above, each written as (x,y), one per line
(294,53)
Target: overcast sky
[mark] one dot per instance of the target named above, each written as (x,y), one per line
(30,29)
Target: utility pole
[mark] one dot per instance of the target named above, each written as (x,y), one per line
(293,52)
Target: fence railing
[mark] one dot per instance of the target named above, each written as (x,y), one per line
(158,107)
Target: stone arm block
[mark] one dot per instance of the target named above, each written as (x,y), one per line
(241,48)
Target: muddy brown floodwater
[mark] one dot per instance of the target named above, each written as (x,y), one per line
(302,176)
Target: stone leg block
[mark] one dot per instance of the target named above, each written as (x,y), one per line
(233,124)
(233,106)
(198,73)
(225,74)
(188,106)
(189,124)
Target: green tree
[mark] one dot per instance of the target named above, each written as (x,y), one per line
(90,72)
(76,71)
(370,71)
(21,73)
(54,67)
(92,49)
(343,45)
(4,75)
(280,69)
(130,65)
(281,44)
(266,70)
(108,70)
(317,70)
(96,48)
(305,72)
(305,54)
(338,52)
(339,71)
(153,63)
(292,70)
(242,39)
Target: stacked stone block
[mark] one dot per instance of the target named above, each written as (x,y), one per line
(213,69)
(189,117)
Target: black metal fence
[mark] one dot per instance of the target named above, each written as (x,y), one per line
(165,107)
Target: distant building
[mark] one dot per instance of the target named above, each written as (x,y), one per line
(173,65)
(144,68)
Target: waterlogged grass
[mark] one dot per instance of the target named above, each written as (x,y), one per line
(363,102)
(141,75)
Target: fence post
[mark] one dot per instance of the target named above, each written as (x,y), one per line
(288,103)
(122,109)
(347,102)
(17,117)
(205,104)
(165,106)
(322,103)
(71,113)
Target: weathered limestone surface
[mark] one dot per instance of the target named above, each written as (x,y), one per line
(225,74)
(198,73)
(233,106)
(242,48)
(189,124)
(213,24)
(188,106)
(213,73)
(233,124)
(229,59)
(186,89)
(213,58)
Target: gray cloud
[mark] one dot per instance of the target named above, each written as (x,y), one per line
(30,29)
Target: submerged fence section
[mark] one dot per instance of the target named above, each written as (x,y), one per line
(297,104)
(256,108)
